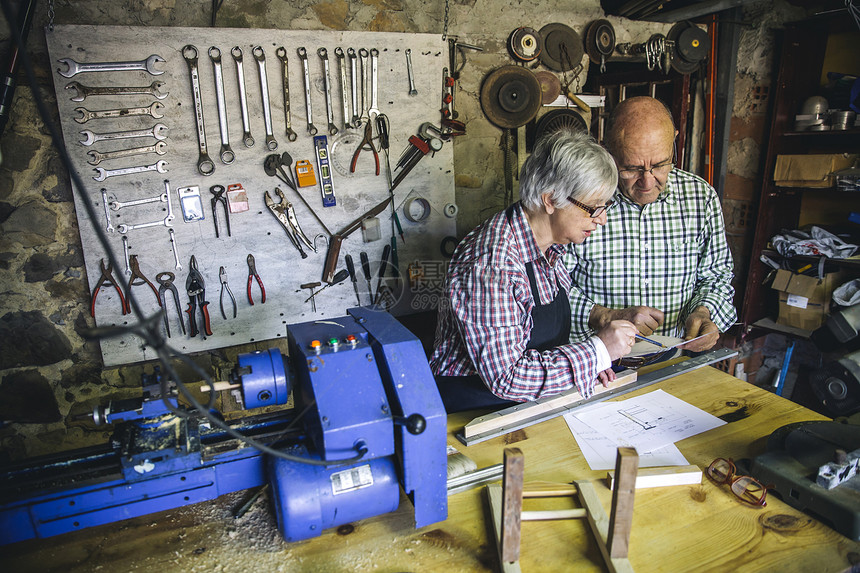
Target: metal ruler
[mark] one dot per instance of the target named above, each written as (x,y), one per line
(645,380)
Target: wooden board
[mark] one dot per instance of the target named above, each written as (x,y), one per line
(255,231)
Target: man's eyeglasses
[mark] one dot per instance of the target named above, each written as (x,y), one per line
(659,170)
(746,488)
(593,212)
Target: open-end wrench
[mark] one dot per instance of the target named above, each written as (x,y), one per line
(109,227)
(365,73)
(83,92)
(353,76)
(95,157)
(154,111)
(410,73)
(125,254)
(74,68)
(260,57)
(303,56)
(323,54)
(117,205)
(177,265)
(160,166)
(374,65)
(167,221)
(205,165)
(236,52)
(158,131)
(227,155)
(344,87)
(281,53)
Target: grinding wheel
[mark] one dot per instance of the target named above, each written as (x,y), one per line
(690,47)
(510,96)
(550,86)
(556,39)
(525,44)
(557,119)
(599,40)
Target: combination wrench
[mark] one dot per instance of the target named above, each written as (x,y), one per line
(205,165)
(109,227)
(260,57)
(73,68)
(303,56)
(374,65)
(363,55)
(160,166)
(323,54)
(177,265)
(236,52)
(344,87)
(95,157)
(353,74)
(281,53)
(409,72)
(117,205)
(83,92)
(158,131)
(153,110)
(227,155)
(167,221)
(125,254)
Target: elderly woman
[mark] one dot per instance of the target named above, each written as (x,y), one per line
(504,322)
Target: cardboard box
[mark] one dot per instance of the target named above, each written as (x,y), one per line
(810,170)
(804,301)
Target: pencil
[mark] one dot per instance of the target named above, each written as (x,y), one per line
(660,344)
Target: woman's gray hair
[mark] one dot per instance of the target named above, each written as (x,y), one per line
(567,163)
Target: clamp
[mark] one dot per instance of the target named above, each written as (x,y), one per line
(166,282)
(195,286)
(222,275)
(136,275)
(218,192)
(366,143)
(285,213)
(252,274)
(106,278)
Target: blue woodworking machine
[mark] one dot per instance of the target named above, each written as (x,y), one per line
(366,409)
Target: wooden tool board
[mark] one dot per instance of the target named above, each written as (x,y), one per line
(255,231)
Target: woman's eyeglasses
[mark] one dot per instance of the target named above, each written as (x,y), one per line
(746,488)
(593,212)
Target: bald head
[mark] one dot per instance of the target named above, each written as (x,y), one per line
(636,118)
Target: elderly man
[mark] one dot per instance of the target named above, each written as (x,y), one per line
(503,328)
(661,261)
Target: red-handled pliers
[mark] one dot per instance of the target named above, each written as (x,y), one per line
(106,278)
(252,274)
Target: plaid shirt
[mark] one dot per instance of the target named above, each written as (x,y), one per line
(485,320)
(670,254)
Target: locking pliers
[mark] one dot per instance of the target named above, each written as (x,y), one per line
(286,215)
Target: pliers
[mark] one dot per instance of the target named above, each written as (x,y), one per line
(136,275)
(222,274)
(195,286)
(366,143)
(166,282)
(285,213)
(218,192)
(106,278)
(252,274)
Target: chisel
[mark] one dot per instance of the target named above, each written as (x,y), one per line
(351,268)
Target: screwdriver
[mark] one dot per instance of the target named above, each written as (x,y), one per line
(365,268)
(338,278)
(350,267)
(386,251)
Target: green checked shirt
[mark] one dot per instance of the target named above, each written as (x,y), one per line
(671,255)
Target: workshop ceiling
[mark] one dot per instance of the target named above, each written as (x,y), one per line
(677,10)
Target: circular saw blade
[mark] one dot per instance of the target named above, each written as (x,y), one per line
(510,96)
(599,40)
(550,86)
(525,44)
(690,46)
(558,38)
(557,119)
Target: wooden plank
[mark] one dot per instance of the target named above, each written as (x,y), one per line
(623,493)
(512,504)
(548,489)
(553,514)
(663,477)
(599,522)
(494,497)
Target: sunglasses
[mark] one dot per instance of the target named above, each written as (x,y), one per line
(746,488)
(593,212)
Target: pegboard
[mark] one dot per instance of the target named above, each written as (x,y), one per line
(256,231)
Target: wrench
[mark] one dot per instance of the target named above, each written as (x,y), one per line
(160,166)
(363,54)
(323,54)
(204,164)
(281,53)
(344,87)
(125,254)
(167,221)
(158,131)
(74,68)
(303,56)
(109,227)
(260,56)
(227,155)
(83,92)
(412,90)
(95,157)
(154,110)
(374,64)
(178,265)
(243,98)
(353,74)
(117,205)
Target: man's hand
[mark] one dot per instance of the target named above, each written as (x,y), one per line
(644,318)
(606,377)
(698,324)
(618,338)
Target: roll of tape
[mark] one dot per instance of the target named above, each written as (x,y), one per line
(451,210)
(447,246)
(425,209)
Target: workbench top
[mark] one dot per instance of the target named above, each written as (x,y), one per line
(681,528)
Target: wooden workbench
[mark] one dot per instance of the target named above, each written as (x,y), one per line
(675,529)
